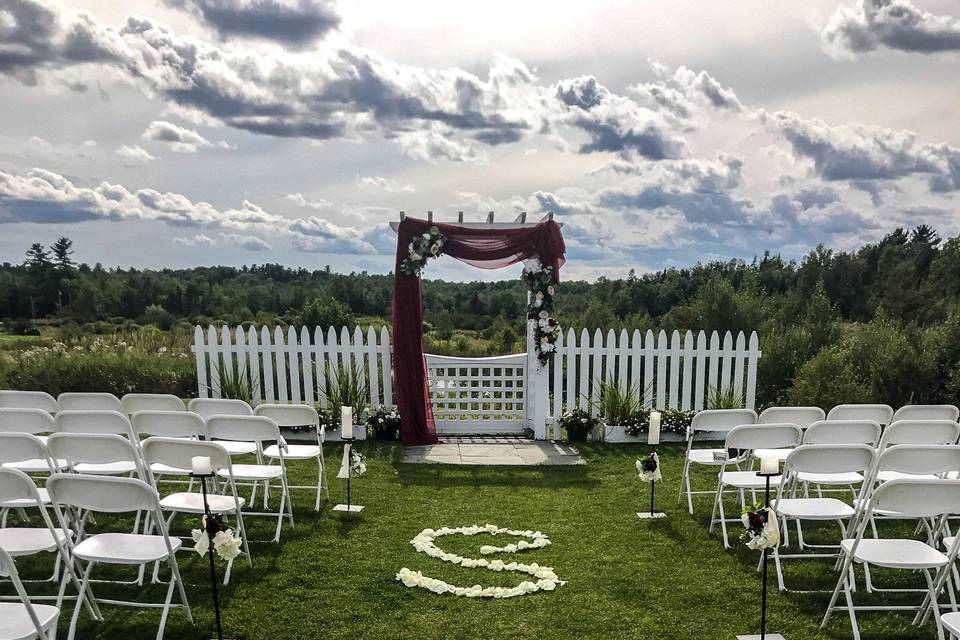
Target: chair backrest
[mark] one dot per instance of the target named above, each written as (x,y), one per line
(16,485)
(920,432)
(169,424)
(26,421)
(88,401)
(881,413)
(721,420)
(831,458)
(28,400)
(104,494)
(243,428)
(133,402)
(87,421)
(927,412)
(208,407)
(764,436)
(803,417)
(17,447)
(289,415)
(843,432)
(920,459)
(179,453)
(918,497)
(92,448)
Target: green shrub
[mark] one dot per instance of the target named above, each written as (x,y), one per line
(55,370)
(828,379)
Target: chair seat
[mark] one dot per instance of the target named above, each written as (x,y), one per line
(119,468)
(35,466)
(949,541)
(160,469)
(25,503)
(190,502)
(124,548)
(19,541)
(15,621)
(896,553)
(814,508)
(294,451)
(883,476)
(747,480)
(779,454)
(236,448)
(705,456)
(951,622)
(252,472)
(848,477)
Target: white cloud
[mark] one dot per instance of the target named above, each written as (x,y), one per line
(224,240)
(385,184)
(179,139)
(135,153)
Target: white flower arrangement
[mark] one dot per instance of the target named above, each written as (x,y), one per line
(423,247)
(762,530)
(539,279)
(425,542)
(226,544)
(649,468)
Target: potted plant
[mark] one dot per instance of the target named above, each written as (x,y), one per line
(621,408)
(578,424)
(384,423)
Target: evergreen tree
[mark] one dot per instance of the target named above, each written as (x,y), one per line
(62,250)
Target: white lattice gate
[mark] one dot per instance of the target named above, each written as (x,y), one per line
(478,395)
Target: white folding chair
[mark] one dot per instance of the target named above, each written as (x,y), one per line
(818,458)
(168,424)
(930,432)
(749,437)
(133,402)
(710,421)
(881,413)
(16,486)
(28,400)
(88,401)
(28,453)
(92,421)
(103,454)
(24,620)
(256,429)
(209,407)
(838,432)
(177,453)
(927,412)
(305,416)
(35,421)
(104,494)
(951,623)
(803,417)
(916,498)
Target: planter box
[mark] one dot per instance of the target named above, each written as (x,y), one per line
(359,433)
(615,434)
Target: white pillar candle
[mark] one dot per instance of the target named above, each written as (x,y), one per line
(654,436)
(346,422)
(201,465)
(770,466)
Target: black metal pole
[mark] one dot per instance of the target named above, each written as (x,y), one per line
(763,594)
(213,566)
(653,482)
(349,469)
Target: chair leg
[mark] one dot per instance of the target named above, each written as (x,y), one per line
(175,577)
(851,610)
(836,592)
(319,484)
(84,589)
(933,603)
(723,520)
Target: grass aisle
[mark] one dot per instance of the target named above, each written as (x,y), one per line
(334,578)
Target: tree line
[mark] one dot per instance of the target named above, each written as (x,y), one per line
(881,320)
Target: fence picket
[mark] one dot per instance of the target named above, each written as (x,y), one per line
(674,394)
(253,351)
(200,355)
(739,353)
(623,352)
(319,366)
(373,375)
(754,355)
(687,376)
(333,348)
(306,366)
(635,356)
(571,348)
(293,348)
(727,363)
(266,348)
(558,377)
(214,354)
(279,347)
(649,349)
(714,373)
(596,372)
(583,402)
(662,351)
(701,371)
(387,367)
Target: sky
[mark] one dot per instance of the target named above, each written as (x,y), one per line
(174,133)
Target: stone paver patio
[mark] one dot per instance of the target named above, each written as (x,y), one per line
(493,451)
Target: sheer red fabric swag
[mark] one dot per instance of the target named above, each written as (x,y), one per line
(484,247)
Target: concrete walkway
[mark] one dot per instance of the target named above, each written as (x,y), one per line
(493,451)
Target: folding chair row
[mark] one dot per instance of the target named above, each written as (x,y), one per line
(69,495)
(90,401)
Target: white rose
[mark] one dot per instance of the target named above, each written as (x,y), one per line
(227,545)
(414,255)
(551,290)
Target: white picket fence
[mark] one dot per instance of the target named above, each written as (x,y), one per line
(675,371)
(504,394)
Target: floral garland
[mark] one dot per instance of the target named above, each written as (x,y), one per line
(423,247)
(649,468)
(762,530)
(671,421)
(225,543)
(425,542)
(546,329)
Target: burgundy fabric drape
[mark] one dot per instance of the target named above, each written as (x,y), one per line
(484,247)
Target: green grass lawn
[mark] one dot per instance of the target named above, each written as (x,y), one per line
(333,576)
